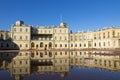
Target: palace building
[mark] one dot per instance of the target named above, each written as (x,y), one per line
(59,37)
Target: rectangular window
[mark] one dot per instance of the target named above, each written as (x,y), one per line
(80,45)
(15,37)
(60,45)
(60,38)
(26,37)
(14,29)
(20,37)
(75,45)
(65,38)
(45,31)
(55,45)
(65,45)
(20,45)
(26,30)
(26,45)
(49,31)
(20,29)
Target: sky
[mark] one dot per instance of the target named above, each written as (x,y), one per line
(78,14)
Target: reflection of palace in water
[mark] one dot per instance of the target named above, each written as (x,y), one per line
(31,62)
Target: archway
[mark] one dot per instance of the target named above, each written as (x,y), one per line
(32,45)
(41,44)
(50,45)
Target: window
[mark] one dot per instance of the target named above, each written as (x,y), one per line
(45,31)
(80,53)
(14,29)
(60,38)
(20,62)
(41,54)
(108,43)
(60,31)
(55,38)
(104,43)
(20,29)
(55,53)
(79,37)
(20,45)
(26,62)
(94,36)
(71,38)
(75,38)
(65,45)
(108,34)
(36,53)
(60,53)
(41,44)
(75,45)
(84,45)
(49,31)
(99,44)
(20,37)
(26,70)
(55,31)
(26,54)
(71,45)
(95,44)
(80,45)
(60,45)
(26,37)
(14,62)
(55,45)
(65,38)
(65,53)
(103,35)
(99,36)
(26,45)
(113,33)
(20,70)
(15,37)
(26,30)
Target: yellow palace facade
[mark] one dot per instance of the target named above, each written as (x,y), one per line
(59,37)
